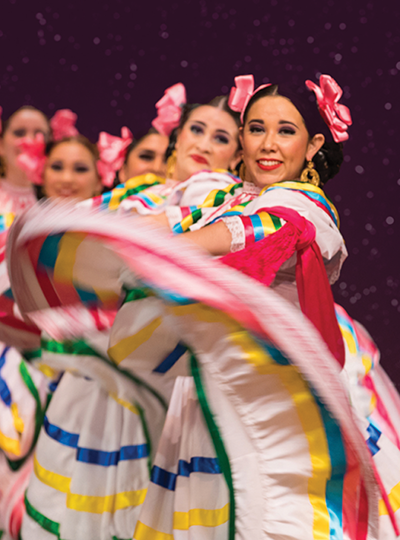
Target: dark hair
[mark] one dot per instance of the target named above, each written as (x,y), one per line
(219,102)
(6,125)
(79,139)
(135,142)
(329,158)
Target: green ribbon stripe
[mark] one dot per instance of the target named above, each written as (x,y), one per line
(32,354)
(47,524)
(276,221)
(136,294)
(137,189)
(39,414)
(81,348)
(217,441)
(221,194)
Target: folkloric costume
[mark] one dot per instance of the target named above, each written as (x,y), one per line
(261,441)
(104,431)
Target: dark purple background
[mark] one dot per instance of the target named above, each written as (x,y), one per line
(111,61)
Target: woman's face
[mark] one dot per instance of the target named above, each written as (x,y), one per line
(71,172)
(276,142)
(24,123)
(208,140)
(148,156)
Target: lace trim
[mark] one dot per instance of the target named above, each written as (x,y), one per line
(248,187)
(236,228)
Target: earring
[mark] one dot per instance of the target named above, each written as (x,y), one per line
(242,172)
(171,164)
(310,175)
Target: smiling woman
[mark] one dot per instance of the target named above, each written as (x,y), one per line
(71,171)
(276,142)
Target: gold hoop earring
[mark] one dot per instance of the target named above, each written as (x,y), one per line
(310,175)
(242,172)
(171,164)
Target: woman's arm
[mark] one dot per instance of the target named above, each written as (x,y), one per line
(216,238)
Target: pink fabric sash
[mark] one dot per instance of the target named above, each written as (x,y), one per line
(263,259)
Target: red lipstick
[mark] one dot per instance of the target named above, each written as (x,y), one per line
(199,159)
(269,167)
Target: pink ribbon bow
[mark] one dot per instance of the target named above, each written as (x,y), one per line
(242,93)
(112,154)
(336,116)
(169,109)
(63,124)
(32,158)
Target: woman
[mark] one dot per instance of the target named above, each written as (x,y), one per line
(204,140)
(145,155)
(260,439)
(70,173)
(16,190)
(71,169)
(121,422)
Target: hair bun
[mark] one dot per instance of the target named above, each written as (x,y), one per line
(328,160)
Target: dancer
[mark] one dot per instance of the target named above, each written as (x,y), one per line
(77,399)
(203,140)
(16,189)
(260,439)
(69,171)
(145,155)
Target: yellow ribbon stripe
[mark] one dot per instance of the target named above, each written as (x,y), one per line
(154,197)
(306,187)
(199,517)
(253,353)
(88,503)
(48,371)
(143,532)
(64,267)
(209,200)
(148,178)
(7,444)
(118,192)
(310,420)
(205,313)
(128,345)
(303,400)
(349,339)
(367,362)
(106,297)
(51,479)
(110,503)
(8,219)
(394,500)
(125,404)
(116,197)
(18,422)
(267,223)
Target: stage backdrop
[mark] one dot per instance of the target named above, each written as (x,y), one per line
(110,61)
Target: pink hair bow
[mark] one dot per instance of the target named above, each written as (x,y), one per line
(112,154)
(336,116)
(32,158)
(242,93)
(63,124)
(169,109)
